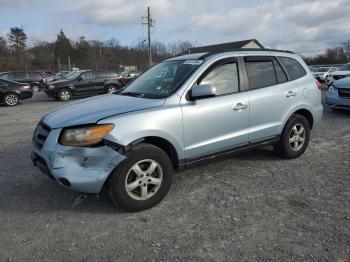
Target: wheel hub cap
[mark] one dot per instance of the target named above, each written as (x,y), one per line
(297,137)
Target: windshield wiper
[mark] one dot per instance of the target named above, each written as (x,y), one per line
(135,94)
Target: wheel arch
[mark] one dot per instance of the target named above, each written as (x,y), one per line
(307,114)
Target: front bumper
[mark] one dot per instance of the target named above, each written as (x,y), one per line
(79,168)
(334,101)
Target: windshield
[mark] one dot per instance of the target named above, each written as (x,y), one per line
(73,75)
(345,67)
(162,80)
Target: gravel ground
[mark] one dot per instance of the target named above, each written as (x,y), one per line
(254,206)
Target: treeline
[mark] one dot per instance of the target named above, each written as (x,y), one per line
(337,55)
(83,53)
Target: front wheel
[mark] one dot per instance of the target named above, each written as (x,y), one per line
(64,94)
(142,180)
(35,88)
(11,99)
(295,137)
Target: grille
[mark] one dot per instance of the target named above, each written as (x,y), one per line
(40,134)
(344,93)
(337,77)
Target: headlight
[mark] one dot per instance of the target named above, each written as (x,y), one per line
(51,86)
(331,90)
(85,136)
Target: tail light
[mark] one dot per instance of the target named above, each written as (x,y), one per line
(319,85)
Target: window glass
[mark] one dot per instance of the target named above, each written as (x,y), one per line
(34,75)
(112,75)
(87,76)
(5,76)
(260,74)
(294,69)
(100,75)
(19,75)
(224,78)
(2,83)
(281,75)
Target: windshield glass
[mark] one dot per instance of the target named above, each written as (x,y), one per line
(73,75)
(345,67)
(162,80)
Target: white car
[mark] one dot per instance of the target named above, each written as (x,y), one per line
(318,72)
(330,70)
(343,71)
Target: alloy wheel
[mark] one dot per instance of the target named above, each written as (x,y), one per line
(297,137)
(144,179)
(65,95)
(11,99)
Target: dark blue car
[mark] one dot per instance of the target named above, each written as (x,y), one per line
(338,95)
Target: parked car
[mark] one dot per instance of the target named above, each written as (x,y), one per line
(127,77)
(326,74)
(12,92)
(343,71)
(338,95)
(83,83)
(35,79)
(318,72)
(58,76)
(212,105)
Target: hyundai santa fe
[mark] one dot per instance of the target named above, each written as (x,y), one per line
(182,111)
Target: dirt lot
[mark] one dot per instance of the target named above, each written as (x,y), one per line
(255,206)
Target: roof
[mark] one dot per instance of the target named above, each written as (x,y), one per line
(225,46)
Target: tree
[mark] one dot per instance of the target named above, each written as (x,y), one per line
(17,41)
(80,53)
(63,48)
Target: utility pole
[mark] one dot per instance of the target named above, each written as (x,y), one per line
(149,23)
(69,68)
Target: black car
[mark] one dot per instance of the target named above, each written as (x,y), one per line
(35,79)
(83,83)
(11,92)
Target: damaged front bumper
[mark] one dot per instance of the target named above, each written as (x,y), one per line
(83,169)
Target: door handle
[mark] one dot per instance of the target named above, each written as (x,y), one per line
(291,93)
(240,106)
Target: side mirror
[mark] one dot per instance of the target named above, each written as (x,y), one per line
(203,91)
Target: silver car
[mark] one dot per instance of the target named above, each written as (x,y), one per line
(180,112)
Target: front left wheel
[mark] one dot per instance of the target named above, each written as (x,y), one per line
(142,180)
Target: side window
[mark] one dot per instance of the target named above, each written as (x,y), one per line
(2,83)
(86,76)
(19,75)
(224,78)
(5,76)
(100,75)
(34,75)
(294,68)
(281,75)
(260,74)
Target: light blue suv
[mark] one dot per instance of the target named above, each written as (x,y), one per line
(182,111)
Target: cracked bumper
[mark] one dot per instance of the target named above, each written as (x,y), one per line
(81,169)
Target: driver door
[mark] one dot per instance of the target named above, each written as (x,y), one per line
(84,85)
(216,124)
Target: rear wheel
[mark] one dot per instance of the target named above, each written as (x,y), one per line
(295,137)
(36,88)
(64,95)
(11,99)
(142,180)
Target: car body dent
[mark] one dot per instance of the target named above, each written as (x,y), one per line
(85,168)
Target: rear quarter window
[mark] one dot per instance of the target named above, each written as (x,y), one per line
(294,69)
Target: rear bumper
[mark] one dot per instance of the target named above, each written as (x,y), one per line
(80,169)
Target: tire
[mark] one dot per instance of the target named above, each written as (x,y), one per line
(36,88)
(294,141)
(11,99)
(110,89)
(154,185)
(64,94)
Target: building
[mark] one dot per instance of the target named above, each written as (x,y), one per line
(251,43)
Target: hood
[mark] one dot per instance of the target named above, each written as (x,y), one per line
(341,73)
(60,81)
(91,110)
(342,83)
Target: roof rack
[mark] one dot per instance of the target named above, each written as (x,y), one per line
(243,50)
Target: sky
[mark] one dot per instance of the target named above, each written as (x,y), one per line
(308,27)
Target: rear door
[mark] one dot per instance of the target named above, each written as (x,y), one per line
(100,77)
(271,96)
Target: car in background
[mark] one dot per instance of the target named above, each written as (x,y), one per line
(330,70)
(35,79)
(12,92)
(58,76)
(318,72)
(338,95)
(343,71)
(126,77)
(83,83)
